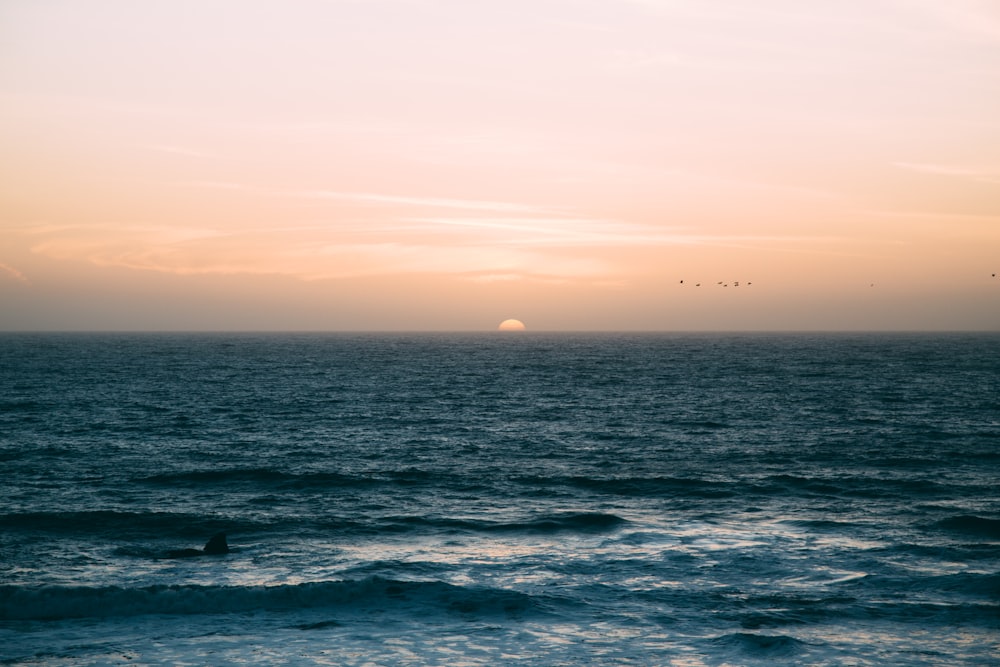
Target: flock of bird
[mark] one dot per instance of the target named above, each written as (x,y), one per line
(736,283)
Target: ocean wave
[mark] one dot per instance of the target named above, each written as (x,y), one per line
(556,523)
(15,405)
(61,602)
(153,528)
(966,599)
(761,646)
(120,524)
(656,486)
(44,452)
(970,584)
(964,552)
(849,486)
(780,610)
(238,476)
(822,524)
(769,486)
(281,480)
(969,524)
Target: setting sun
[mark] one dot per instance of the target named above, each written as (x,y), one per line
(511,325)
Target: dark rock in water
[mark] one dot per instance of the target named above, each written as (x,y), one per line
(215,546)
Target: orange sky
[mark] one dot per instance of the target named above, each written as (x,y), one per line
(445,165)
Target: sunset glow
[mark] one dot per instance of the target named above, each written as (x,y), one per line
(433,164)
(511,325)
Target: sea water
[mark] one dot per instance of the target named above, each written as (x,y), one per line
(495,499)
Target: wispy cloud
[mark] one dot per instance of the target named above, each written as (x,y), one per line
(374,198)
(946,222)
(431,202)
(598,233)
(159,233)
(220,185)
(11,272)
(978,174)
(483,248)
(306,252)
(496,277)
(179,150)
(558,231)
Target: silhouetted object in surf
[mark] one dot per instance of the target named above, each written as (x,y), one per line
(216,546)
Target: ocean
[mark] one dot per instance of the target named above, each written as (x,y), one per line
(500,499)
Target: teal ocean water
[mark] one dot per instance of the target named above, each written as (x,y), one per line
(494,499)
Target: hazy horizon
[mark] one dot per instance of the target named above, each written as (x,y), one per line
(435,165)
(680,333)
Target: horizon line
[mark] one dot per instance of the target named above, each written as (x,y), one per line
(491,331)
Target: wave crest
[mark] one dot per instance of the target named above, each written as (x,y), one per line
(971,525)
(60,602)
(585,522)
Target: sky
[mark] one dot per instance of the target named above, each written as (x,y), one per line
(444,165)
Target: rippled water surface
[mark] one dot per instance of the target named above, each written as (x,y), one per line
(532,499)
